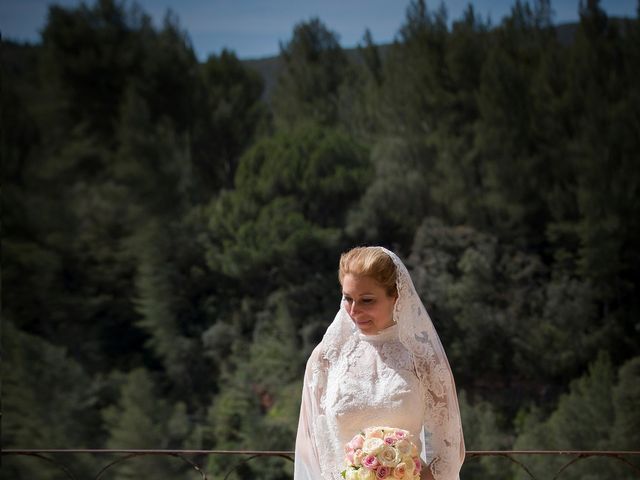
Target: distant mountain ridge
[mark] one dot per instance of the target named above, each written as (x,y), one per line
(269,67)
(19,56)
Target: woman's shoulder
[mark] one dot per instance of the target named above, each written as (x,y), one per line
(318,351)
(318,355)
(327,353)
(317,367)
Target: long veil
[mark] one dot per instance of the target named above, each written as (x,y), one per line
(442,423)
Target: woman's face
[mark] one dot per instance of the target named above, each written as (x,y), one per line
(367,303)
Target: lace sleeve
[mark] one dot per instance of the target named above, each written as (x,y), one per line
(308,453)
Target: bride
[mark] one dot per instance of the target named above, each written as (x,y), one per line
(380,363)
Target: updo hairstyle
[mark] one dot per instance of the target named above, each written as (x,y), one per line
(370,262)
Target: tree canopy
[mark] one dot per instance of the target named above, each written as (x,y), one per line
(171,237)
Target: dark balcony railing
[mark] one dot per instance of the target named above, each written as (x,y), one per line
(55,456)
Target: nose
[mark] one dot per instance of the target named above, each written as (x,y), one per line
(352,308)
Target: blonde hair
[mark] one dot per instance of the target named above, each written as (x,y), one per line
(370,262)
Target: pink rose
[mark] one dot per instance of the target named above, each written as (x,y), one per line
(400,434)
(349,457)
(390,440)
(356,442)
(418,464)
(383,472)
(370,462)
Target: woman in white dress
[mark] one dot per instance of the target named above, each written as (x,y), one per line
(380,363)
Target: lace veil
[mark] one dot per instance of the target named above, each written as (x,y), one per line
(442,429)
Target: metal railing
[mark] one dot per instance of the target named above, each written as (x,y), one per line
(187,456)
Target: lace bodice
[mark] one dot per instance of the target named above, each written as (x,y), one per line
(375,386)
(372,382)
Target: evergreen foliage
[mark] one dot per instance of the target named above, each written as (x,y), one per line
(314,68)
(170,238)
(49,401)
(588,417)
(142,417)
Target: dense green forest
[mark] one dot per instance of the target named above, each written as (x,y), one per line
(171,236)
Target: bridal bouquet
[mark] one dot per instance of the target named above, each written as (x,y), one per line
(381,452)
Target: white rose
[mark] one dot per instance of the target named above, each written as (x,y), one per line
(366,474)
(410,466)
(400,470)
(375,432)
(405,447)
(388,456)
(373,445)
(351,474)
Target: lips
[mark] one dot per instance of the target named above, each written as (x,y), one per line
(362,323)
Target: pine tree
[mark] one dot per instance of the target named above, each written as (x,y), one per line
(581,421)
(232,115)
(48,400)
(142,419)
(314,68)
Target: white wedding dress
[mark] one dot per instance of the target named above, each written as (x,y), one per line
(397,378)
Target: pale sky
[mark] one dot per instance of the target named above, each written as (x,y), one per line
(254,28)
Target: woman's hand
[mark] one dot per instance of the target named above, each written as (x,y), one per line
(425,472)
